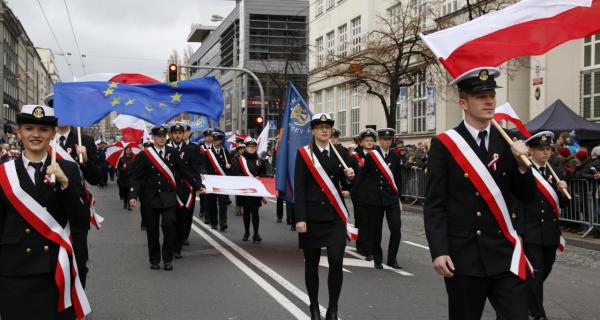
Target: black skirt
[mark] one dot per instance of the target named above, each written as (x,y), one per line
(323,234)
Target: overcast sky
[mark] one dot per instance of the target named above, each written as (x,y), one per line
(143,31)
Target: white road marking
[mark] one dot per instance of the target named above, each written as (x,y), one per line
(352,251)
(416,245)
(261,266)
(278,296)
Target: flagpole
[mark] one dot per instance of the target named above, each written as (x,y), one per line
(53,161)
(510,142)
(563,190)
(338,155)
(79,143)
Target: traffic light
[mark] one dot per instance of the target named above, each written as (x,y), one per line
(259,121)
(173,74)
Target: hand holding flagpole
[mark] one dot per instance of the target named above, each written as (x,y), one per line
(79,143)
(510,142)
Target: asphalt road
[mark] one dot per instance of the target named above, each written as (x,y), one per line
(222,277)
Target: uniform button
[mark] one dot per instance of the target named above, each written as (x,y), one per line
(504,173)
(28,250)
(466,175)
(514,216)
(46,248)
(322,202)
(542,210)
(477,194)
(554,219)
(131,189)
(159,182)
(380,188)
(499,231)
(27,231)
(478,232)
(478,213)
(158,190)
(542,220)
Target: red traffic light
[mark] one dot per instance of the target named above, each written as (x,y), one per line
(173,75)
(259,120)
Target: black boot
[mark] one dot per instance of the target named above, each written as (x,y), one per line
(256,238)
(331,313)
(125,204)
(315,314)
(246,236)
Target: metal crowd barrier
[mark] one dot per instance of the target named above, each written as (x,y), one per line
(413,184)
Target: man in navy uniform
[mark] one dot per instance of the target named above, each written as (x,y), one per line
(28,258)
(379,194)
(541,224)
(204,146)
(217,162)
(468,243)
(195,159)
(154,178)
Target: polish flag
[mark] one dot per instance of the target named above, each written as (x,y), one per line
(527,28)
(506,112)
(132,129)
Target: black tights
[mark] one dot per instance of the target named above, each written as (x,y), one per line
(251,212)
(335,256)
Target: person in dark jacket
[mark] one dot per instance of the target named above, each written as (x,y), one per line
(319,221)
(217,162)
(123,168)
(249,164)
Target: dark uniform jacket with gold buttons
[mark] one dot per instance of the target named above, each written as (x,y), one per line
(540,225)
(190,160)
(310,202)
(458,222)
(371,188)
(151,186)
(221,155)
(24,251)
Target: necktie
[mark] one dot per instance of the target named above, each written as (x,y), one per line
(160,153)
(482,148)
(62,141)
(543,172)
(39,177)
(326,153)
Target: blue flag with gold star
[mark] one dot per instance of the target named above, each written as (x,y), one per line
(84,103)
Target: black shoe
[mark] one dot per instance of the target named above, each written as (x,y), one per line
(143,227)
(214,227)
(246,236)
(279,220)
(168,266)
(256,238)
(178,255)
(315,314)
(124,205)
(154,266)
(223,227)
(369,257)
(394,265)
(206,222)
(186,243)
(201,215)
(293,228)
(331,313)
(378,265)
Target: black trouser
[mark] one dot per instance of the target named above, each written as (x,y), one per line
(507,294)
(290,213)
(375,222)
(251,213)
(188,220)
(143,214)
(81,253)
(279,211)
(167,224)
(202,205)
(542,258)
(183,226)
(335,257)
(363,243)
(216,205)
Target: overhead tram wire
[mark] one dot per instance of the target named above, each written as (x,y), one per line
(55,38)
(74,37)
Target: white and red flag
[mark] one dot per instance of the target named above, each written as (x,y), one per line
(527,28)
(506,112)
(133,129)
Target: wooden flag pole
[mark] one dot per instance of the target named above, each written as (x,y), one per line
(557,179)
(338,156)
(53,161)
(79,143)
(510,142)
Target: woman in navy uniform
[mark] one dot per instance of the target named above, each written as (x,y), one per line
(28,260)
(541,226)
(466,242)
(216,204)
(318,223)
(250,205)
(124,167)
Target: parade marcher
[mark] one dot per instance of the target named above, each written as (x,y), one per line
(154,178)
(376,191)
(186,197)
(335,137)
(471,173)
(217,162)
(195,157)
(240,149)
(124,166)
(321,213)
(35,219)
(366,140)
(250,164)
(204,146)
(541,221)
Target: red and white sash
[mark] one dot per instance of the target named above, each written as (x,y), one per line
(361,161)
(71,292)
(190,199)
(160,165)
(203,148)
(95,218)
(330,190)
(244,165)
(492,195)
(550,195)
(215,163)
(384,169)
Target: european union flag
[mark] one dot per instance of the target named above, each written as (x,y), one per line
(84,103)
(296,133)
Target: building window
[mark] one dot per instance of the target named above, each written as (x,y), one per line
(330,37)
(320,7)
(329,101)
(591,94)
(330,4)
(356,35)
(394,15)
(275,37)
(341,120)
(419,103)
(319,51)
(449,6)
(421,13)
(355,112)
(591,51)
(342,40)
(318,101)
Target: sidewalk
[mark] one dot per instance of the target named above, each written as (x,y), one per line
(573,239)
